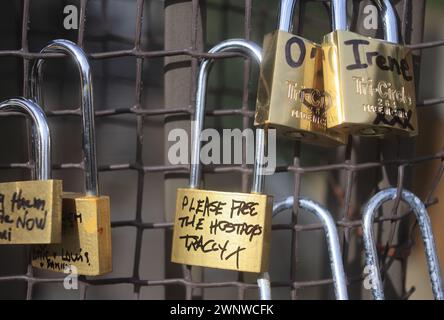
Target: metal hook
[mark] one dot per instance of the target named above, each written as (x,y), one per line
(339,14)
(232,45)
(425,227)
(331,233)
(390,21)
(286,12)
(40,131)
(339,20)
(87,107)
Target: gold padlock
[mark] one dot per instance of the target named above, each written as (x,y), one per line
(30,211)
(86,226)
(290,95)
(369,83)
(215,229)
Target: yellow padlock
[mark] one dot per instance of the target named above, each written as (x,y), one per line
(30,211)
(369,82)
(290,95)
(215,229)
(86,227)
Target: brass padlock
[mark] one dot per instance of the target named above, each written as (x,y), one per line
(86,226)
(290,93)
(215,229)
(369,83)
(30,211)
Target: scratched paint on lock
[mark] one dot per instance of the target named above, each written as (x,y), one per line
(30,212)
(369,84)
(86,238)
(222,230)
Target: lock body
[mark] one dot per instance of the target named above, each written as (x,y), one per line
(222,230)
(86,238)
(30,212)
(290,90)
(370,85)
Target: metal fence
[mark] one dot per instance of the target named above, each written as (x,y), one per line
(346,168)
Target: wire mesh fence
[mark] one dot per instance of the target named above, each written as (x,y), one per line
(342,173)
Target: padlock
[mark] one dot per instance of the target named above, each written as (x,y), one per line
(30,211)
(371,258)
(290,95)
(369,83)
(86,226)
(215,229)
(331,234)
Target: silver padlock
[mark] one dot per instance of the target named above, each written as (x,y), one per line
(371,257)
(331,234)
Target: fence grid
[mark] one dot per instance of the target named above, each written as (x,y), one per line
(350,169)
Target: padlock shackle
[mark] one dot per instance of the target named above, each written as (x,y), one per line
(246,47)
(339,14)
(41,138)
(286,12)
(87,108)
(331,234)
(371,257)
(389,20)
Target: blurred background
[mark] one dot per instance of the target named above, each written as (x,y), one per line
(139,99)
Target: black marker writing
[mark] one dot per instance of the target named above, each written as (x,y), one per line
(295,63)
(250,230)
(4,218)
(197,243)
(25,222)
(203,206)
(53,265)
(192,221)
(384,63)
(71,219)
(243,208)
(87,257)
(393,120)
(19,202)
(70,256)
(5,234)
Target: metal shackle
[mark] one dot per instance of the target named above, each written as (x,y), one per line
(331,234)
(339,18)
(41,138)
(286,11)
(371,258)
(87,107)
(235,46)
(389,20)
(339,14)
